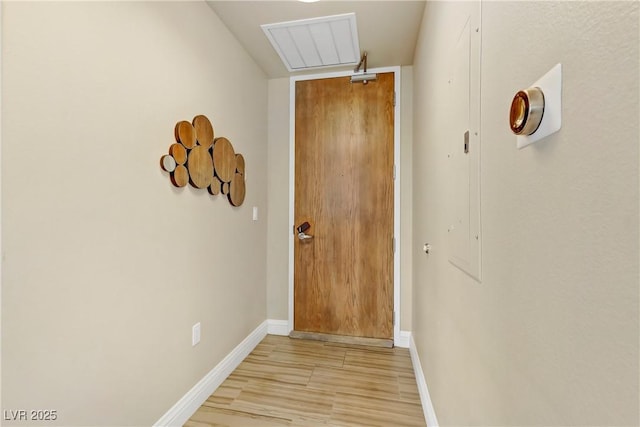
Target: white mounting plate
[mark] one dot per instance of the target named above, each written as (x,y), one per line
(551,86)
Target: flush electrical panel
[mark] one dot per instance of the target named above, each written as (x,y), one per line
(463,135)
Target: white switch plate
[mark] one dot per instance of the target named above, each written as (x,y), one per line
(551,86)
(195,334)
(255,213)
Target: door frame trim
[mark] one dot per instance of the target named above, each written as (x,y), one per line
(396,184)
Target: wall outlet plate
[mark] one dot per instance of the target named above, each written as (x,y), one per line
(551,86)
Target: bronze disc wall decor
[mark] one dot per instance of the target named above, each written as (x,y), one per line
(205,162)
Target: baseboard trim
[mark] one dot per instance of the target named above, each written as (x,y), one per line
(190,402)
(425,398)
(402,341)
(278,327)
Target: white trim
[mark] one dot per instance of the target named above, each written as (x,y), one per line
(425,398)
(1,252)
(403,339)
(190,402)
(396,187)
(397,123)
(292,182)
(278,327)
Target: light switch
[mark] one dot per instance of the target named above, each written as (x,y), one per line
(195,334)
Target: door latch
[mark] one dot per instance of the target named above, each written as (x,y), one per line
(466,142)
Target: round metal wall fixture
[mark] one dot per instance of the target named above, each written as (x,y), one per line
(527,109)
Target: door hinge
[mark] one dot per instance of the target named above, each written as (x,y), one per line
(393,244)
(394,319)
(394,99)
(394,171)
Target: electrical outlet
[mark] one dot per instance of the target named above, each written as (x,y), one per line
(195,334)
(255,213)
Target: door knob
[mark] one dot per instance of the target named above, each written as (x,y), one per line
(303,236)
(301,229)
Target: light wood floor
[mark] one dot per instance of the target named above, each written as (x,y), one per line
(310,383)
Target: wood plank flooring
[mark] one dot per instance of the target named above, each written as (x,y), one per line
(290,382)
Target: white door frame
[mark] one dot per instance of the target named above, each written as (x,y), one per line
(396,185)
(1,253)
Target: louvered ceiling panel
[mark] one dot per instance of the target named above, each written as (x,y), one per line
(321,33)
(306,45)
(318,42)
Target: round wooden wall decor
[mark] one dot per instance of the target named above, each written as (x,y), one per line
(185,134)
(215,186)
(225,188)
(200,167)
(204,161)
(224,159)
(179,153)
(237,190)
(180,176)
(204,131)
(240,164)
(167,163)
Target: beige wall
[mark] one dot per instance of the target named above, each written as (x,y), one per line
(406,197)
(278,234)
(550,336)
(106,266)
(278,196)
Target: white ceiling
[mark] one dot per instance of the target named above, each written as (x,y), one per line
(387,30)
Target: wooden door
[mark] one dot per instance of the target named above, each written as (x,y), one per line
(343,277)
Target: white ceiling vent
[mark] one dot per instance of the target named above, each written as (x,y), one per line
(318,42)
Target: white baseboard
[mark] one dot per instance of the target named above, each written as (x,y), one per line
(190,402)
(427,405)
(403,340)
(278,327)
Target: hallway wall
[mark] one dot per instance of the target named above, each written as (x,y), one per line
(278,233)
(106,266)
(550,336)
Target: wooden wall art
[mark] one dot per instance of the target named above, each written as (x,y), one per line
(200,159)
